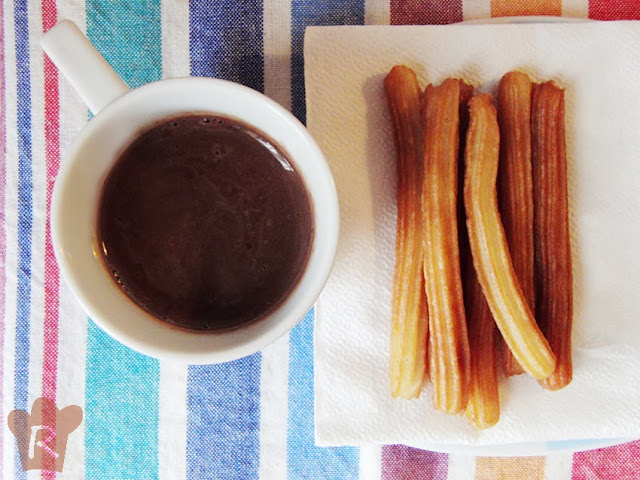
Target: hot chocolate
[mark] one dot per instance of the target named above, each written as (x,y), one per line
(205,223)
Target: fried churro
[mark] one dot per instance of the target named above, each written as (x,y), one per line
(554,283)
(409,325)
(483,407)
(448,341)
(515,186)
(489,248)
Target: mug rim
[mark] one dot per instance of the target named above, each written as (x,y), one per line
(194,347)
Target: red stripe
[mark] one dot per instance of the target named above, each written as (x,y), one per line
(51,276)
(425,12)
(621,462)
(614,9)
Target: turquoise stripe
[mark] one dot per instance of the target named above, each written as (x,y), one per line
(121,414)
(304,459)
(121,436)
(128,34)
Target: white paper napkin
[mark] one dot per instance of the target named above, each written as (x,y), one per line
(599,64)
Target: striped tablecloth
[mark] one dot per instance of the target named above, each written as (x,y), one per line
(145,419)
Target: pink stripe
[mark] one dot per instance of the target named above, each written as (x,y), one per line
(3,177)
(621,462)
(400,462)
(51,276)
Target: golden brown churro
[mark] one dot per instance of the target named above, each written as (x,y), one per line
(448,342)
(489,246)
(554,283)
(483,408)
(516,187)
(409,308)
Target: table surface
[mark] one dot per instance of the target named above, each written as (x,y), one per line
(145,419)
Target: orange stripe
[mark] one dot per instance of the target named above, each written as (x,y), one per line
(504,8)
(498,468)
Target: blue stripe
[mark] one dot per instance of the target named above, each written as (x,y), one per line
(226,40)
(223,420)
(121,429)
(223,401)
(322,12)
(305,460)
(25,188)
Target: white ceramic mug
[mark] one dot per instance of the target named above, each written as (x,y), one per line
(120,115)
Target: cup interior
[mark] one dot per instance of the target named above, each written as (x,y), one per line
(75,208)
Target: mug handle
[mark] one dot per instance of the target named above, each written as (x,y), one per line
(78,60)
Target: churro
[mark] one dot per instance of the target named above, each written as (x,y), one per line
(483,408)
(489,248)
(448,342)
(554,283)
(409,325)
(515,185)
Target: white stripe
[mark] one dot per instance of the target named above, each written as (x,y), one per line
(461,467)
(376,12)
(38,217)
(370,462)
(472,9)
(274,392)
(11,217)
(575,8)
(72,321)
(558,466)
(277,51)
(175,39)
(172,421)
(172,395)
